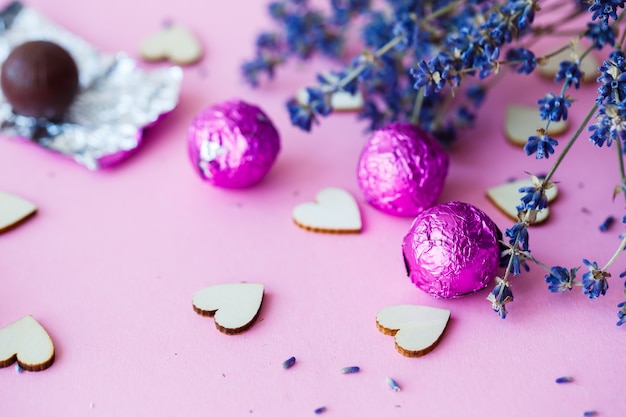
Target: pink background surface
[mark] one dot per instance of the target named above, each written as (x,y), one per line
(112,259)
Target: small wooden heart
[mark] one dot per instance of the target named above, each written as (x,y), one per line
(14,210)
(416,329)
(335,211)
(174,43)
(523,121)
(506,197)
(28,343)
(588,66)
(235,307)
(340,101)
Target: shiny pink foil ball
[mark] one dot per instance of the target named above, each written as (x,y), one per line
(451,250)
(232,144)
(402,169)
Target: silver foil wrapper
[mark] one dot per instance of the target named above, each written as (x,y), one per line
(117,100)
(451,250)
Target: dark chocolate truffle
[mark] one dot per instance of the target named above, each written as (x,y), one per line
(40,79)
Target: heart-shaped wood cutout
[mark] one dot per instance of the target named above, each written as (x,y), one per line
(28,343)
(175,43)
(506,197)
(416,329)
(235,307)
(588,66)
(340,101)
(335,211)
(523,121)
(14,210)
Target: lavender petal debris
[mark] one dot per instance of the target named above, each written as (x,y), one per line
(289,362)
(350,370)
(393,384)
(607,223)
(564,380)
(320,410)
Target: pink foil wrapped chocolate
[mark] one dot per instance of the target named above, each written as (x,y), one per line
(232,144)
(402,169)
(451,250)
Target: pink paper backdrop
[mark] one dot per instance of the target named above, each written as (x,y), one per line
(112,259)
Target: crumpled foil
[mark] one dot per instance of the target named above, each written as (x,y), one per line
(451,250)
(117,101)
(402,169)
(232,144)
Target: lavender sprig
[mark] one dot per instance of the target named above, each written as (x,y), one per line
(608,105)
(432,62)
(450,40)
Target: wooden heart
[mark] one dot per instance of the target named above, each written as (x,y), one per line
(588,66)
(416,329)
(340,101)
(523,121)
(235,307)
(14,210)
(507,197)
(335,211)
(28,343)
(175,43)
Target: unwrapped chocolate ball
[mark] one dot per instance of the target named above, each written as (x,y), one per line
(233,144)
(451,250)
(40,79)
(402,169)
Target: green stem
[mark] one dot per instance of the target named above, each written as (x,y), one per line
(386,48)
(620,162)
(558,51)
(419,99)
(569,145)
(380,52)
(621,39)
(563,33)
(584,54)
(619,250)
(508,266)
(538,262)
(440,12)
